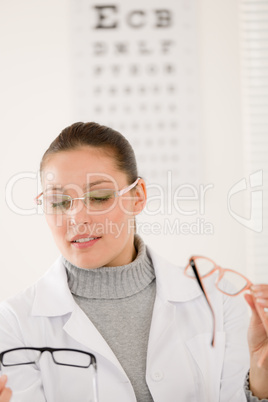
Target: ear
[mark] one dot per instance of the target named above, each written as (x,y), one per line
(140,197)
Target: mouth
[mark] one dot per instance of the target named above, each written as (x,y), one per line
(80,242)
(85,239)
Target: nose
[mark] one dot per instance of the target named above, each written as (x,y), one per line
(79,211)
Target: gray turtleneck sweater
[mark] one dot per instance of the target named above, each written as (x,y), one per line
(119,301)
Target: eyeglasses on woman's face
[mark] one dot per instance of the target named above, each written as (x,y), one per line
(100,200)
(229,282)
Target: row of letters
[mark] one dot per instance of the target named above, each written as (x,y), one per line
(110,17)
(163,47)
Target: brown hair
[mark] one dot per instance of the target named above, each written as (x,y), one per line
(95,135)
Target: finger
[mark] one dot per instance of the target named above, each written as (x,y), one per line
(6,395)
(260,289)
(260,294)
(250,301)
(3,381)
(262,302)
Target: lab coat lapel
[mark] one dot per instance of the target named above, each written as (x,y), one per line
(80,328)
(162,323)
(53,298)
(168,355)
(172,286)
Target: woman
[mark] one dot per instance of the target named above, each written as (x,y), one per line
(108,294)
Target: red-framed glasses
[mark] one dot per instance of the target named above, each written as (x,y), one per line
(229,282)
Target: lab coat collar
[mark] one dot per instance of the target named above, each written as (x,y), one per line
(53,297)
(172,284)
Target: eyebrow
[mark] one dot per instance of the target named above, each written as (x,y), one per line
(94,183)
(85,187)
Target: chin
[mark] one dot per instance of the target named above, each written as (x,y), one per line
(87,262)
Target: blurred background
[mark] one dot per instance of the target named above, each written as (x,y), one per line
(185,81)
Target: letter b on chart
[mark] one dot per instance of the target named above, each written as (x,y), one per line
(255,221)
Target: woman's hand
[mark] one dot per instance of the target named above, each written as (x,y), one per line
(258,340)
(5,393)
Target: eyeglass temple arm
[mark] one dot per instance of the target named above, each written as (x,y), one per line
(124,190)
(199,280)
(36,199)
(93,367)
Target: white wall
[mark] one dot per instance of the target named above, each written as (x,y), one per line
(218,38)
(36,104)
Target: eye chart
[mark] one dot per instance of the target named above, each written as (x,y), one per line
(135,69)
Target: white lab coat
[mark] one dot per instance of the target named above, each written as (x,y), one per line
(181,364)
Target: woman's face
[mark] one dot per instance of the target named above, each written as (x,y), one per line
(92,238)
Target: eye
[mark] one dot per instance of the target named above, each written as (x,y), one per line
(61,204)
(56,201)
(99,196)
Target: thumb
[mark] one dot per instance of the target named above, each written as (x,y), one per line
(3,380)
(249,299)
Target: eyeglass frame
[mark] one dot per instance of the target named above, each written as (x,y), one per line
(117,193)
(51,350)
(93,362)
(221,270)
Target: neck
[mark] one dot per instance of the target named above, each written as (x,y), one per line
(127,255)
(112,282)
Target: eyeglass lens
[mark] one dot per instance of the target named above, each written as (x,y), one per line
(22,356)
(231,282)
(100,200)
(71,358)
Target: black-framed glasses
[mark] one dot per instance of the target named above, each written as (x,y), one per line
(61,356)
